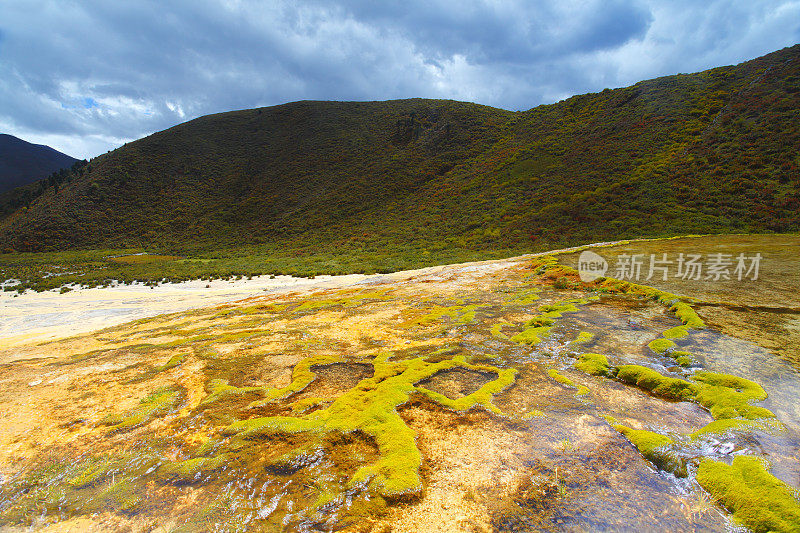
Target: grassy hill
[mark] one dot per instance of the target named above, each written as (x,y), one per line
(22,163)
(714,151)
(257,175)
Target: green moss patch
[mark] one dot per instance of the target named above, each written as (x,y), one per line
(584,337)
(159,403)
(95,470)
(729,396)
(191,469)
(660,346)
(539,321)
(532,335)
(306,404)
(719,427)
(220,388)
(538,327)
(684,359)
(371,409)
(666,387)
(756,498)
(676,333)
(593,363)
(656,448)
(725,396)
(682,310)
(174,361)
(526,296)
(556,310)
(460,314)
(687,315)
(564,380)
(497,330)
(302,376)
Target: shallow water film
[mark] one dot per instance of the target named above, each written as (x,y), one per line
(497,396)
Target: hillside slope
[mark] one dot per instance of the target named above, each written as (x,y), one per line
(714,151)
(22,162)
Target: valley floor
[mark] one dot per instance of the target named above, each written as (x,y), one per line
(503,395)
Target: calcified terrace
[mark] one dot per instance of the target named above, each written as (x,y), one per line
(498,396)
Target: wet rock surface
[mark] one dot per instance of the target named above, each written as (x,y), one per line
(455,399)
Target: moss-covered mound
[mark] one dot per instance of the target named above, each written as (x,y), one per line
(758,499)
(593,363)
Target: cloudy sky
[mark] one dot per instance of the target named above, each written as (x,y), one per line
(85,76)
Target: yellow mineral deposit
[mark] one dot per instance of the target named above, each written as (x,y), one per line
(495,396)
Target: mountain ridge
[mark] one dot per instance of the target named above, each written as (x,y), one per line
(22,162)
(690,153)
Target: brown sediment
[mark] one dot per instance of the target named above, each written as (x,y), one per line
(508,435)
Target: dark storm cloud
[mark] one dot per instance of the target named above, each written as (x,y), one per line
(85,76)
(514,32)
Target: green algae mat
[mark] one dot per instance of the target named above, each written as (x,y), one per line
(501,396)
